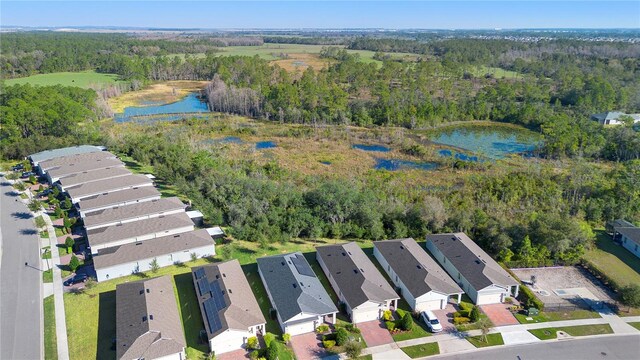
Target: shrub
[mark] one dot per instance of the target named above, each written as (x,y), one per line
(387,315)
(40,223)
(254,355)
(391,326)
(322,328)
(193,256)
(460,320)
(508,300)
(475,314)
(268,339)
(342,336)
(352,328)
(154,266)
(252,343)
(272,351)
(286,337)
(529,299)
(465,306)
(328,344)
(69,242)
(74,263)
(329,337)
(353,349)
(630,295)
(406,323)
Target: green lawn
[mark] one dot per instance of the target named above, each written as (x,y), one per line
(418,330)
(621,265)
(47,276)
(83,79)
(581,330)
(418,351)
(499,73)
(558,316)
(492,340)
(635,325)
(50,341)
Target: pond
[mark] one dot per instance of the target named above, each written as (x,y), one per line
(396,164)
(190,104)
(378,148)
(459,156)
(261,145)
(494,142)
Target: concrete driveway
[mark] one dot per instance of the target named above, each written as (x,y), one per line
(374,333)
(308,346)
(445,316)
(499,314)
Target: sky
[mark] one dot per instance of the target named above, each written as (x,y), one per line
(324,14)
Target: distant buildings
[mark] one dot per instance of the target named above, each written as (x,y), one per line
(613,117)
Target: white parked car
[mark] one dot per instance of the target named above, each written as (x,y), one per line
(431,320)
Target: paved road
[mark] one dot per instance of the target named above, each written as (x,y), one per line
(624,347)
(20,290)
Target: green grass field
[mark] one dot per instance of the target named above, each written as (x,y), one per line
(499,73)
(83,79)
(492,340)
(581,330)
(50,340)
(558,316)
(635,325)
(621,265)
(418,351)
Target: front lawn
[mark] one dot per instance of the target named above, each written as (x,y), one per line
(580,330)
(492,340)
(635,325)
(616,261)
(47,276)
(418,330)
(557,316)
(418,351)
(50,340)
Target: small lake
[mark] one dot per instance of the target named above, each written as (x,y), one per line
(377,148)
(261,145)
(191,104)
(396,164)
(494,143)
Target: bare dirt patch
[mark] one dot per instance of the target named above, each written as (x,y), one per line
(300,62)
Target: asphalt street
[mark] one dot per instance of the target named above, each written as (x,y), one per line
(617,347)
(20,289)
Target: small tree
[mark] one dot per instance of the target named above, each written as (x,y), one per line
(20,186)
(406,322)
(34,205)
(342,336)
(90,283)
(154,265)
(485,325)
(475,314)
(40,223)
(272,351)
(40,188)
(66,204)
(74,263)
(252,343)
(69,242)
(630,295)
(268,338)
(58,212)
(55,191)
(353,349)
(194,256)
(33,180)
(67,224)
(286,337)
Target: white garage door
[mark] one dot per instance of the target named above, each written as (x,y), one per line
(431,305)
(493,298)
(301,328)
(227,344)
(365,315)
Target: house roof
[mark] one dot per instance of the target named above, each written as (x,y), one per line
(239,310)
(620,223)
(110,234)
(94,175)
(613,115)
(294,286)
(70,159)
(150,249)
(418,271)
(106,185)
(82,166)
(133,211)
(473,263)
(118,197)
(632,233)
(148,324)
(355,275)
(55,153)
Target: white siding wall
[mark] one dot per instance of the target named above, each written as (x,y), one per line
(143,265)
(170,212)
(631,245)
(84,212)
(94,249)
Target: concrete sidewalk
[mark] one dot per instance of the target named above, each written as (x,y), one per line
(61,324)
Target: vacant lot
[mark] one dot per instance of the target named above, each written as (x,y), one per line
(83,79)
(611,258)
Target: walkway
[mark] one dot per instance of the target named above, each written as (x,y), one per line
(61,324)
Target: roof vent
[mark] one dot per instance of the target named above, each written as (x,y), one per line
(344,254)
(295,286)
(419,267)
(355,271)
(283,263)
(401,247)
(477,261)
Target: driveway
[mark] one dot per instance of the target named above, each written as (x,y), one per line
(499,314)
(308,346)
(374,333)
(445,316)
(240,354)
(20,290)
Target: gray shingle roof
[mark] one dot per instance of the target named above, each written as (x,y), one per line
(93,175)
(79,167)
(149,249)
(132,211)
(242,310)
(418,271)
(147,320)
(110,234)
(55,153)
(355,275)
(106,185)
(118,197)
(294,292)
(92,156)
(633,233)
(472,262)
